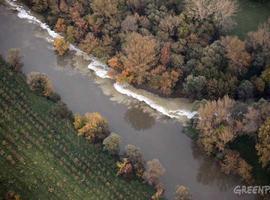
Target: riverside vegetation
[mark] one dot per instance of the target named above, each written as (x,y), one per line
(43,157)
(176,47)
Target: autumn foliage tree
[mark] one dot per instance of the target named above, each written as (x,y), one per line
(263,145)
(163,79)
(239,58)
(125,168)
(134,155)
(234,164)
(138,58)
(40,83)
(105,8)
(61,46)
(60,25)
(215,125)
(92,126)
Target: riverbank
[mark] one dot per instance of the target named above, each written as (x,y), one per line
(43,158)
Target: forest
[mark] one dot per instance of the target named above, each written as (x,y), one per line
(176,47)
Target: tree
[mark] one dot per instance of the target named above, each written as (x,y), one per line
(139,56)
(130,23)
(63,6)
(15,59)
(115,63)
(159,192)
(89,43)
(245,171)
(70,34)
(154,170)
(266,75)
(259,84)
(182,193)
(221,12)
(60,25)
(164,79)
(165,54)
(239,58)
(245,90)
(92,126)
(230,162)
(168,28)
(194,87)
(251,121)
(234,164)
(263,144)
(61,111)
(112,143)
(133,154)
(136,5)
(215,124)
(124,168)
(61,46)
(258,43)
(105,8)
(40,83)
(39,5)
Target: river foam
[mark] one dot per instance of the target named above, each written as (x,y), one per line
(123,89)
(101,69)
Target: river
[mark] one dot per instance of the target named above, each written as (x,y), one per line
(156,135)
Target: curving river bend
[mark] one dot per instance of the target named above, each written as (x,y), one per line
(156,135)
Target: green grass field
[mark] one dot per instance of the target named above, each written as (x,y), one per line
(41,157)
(250,15)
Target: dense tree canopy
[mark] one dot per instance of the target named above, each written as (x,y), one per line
(215,124)
(173,47)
